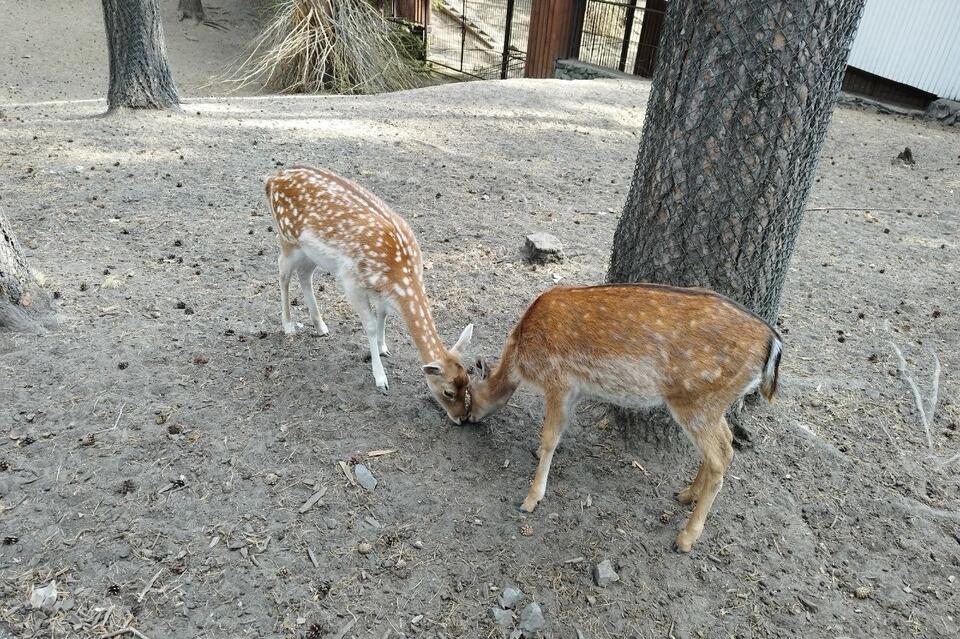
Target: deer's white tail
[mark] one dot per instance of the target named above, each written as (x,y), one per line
(771,369)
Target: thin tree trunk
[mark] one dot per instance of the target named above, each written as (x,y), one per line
(190,9)
(139,74)
(23,304)
(741,98)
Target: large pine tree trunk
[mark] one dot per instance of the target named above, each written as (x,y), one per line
(139,74)
(741,98)
(23,304)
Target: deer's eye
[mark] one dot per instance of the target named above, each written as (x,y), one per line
(449,394)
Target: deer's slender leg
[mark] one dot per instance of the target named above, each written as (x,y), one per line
(713,438)
(559,405)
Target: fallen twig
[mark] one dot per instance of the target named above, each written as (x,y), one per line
(115,423)
(347,473)
(917,399)
(346,628)
(934,385)
(312,557)
(124,631)
(869,208)
(149,586)
(951,460)
(314,498)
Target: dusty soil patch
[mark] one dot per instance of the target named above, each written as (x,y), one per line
(156,452)
(57,49)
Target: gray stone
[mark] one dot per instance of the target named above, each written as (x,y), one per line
(502,617)
(572,69)
(604,574)
(540,248)
(510,597)
(531,620)
(943,110)
(364,477)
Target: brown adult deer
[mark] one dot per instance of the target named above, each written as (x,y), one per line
(330,222)
(641,345)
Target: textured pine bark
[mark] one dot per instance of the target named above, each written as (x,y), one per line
(741,98)
(23,304)
(139,74)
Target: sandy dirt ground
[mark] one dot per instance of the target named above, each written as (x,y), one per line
(157,451)
(57,49)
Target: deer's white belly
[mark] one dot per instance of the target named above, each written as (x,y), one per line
(327,258)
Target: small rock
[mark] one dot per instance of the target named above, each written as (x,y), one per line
(331,523)
(906,156)
(236,544)
(45,597)
(510,597)
(364,548)
(501,617)
(604,574)
(531,620)
(364,477)
(271,479)
(541,248)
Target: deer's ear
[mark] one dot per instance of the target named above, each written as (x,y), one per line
(433,368)
(464,342)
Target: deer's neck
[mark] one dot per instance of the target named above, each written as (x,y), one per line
(415,311)
(502,383)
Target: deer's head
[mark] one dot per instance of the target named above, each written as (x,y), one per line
(448,381)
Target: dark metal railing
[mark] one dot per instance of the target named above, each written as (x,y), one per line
(480,38)
(618,34)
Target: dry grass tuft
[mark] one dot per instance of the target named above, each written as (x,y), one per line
(339,46)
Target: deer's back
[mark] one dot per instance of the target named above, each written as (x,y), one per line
(645,342)
(318,210)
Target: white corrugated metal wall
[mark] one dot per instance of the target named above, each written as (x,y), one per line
(914,42)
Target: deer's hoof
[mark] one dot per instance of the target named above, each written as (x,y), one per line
(683,544)
(529,505)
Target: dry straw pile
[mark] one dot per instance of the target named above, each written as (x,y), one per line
(338,46)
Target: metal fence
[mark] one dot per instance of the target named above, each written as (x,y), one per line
(622,34)
(485,39)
